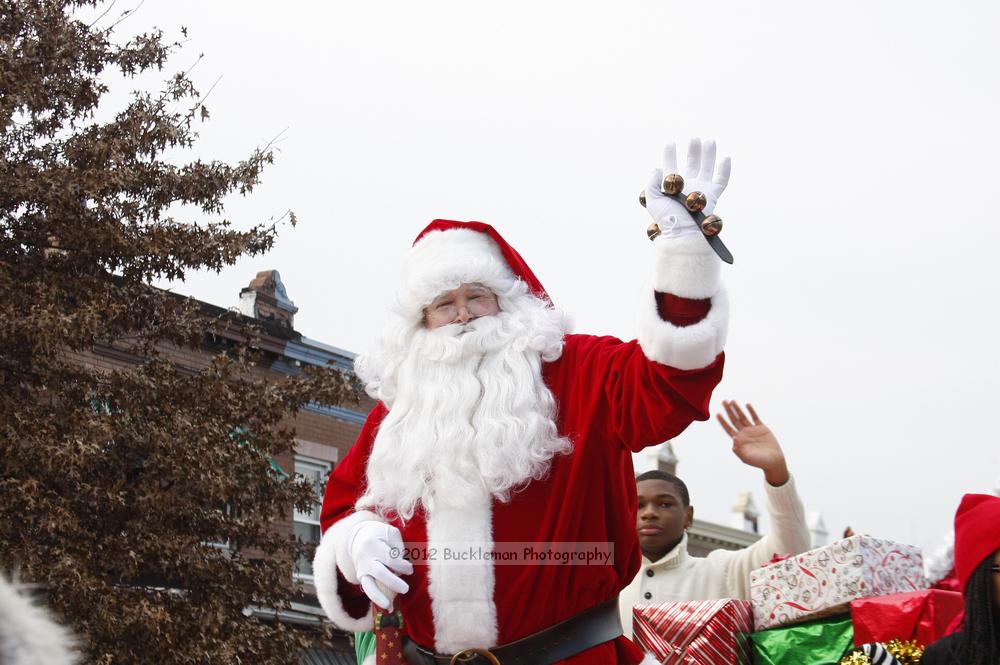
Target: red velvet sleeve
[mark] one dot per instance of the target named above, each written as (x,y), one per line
(652,403)
(614,387)
(608,385)
(345,485)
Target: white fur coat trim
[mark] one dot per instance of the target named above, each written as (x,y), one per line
(465,614)
(649,660)
(28,635)
(442,261)
(686,266)
(331,553)
(940,561)
(684,347)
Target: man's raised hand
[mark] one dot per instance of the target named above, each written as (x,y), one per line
(700,175)
(754,443)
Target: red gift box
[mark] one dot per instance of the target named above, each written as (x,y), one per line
(923,616)
(701,632)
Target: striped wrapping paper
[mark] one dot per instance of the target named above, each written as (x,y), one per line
(701,632)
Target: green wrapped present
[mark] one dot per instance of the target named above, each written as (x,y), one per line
(820,642)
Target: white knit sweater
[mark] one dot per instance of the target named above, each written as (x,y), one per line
(678,576)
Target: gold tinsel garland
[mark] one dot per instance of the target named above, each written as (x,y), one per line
(906,652)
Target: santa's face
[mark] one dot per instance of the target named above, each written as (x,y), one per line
(470,416)
(461,305)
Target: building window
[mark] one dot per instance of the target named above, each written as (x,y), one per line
(307,523)
(227,512)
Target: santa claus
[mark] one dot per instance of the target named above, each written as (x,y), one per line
(497,431)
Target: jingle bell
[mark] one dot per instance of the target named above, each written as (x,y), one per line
(642,198)
(673,184)
(653,230)
(695,202)
(711,225)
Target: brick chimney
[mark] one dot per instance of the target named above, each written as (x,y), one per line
(267,300)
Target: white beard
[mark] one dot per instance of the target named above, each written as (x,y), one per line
(469,414)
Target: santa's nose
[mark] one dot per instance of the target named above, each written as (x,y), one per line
(463,314)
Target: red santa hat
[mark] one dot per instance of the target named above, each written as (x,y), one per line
(977,533)
(447,254)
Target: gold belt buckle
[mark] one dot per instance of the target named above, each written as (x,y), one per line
(469,655)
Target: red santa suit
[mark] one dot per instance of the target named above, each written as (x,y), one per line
(613,398)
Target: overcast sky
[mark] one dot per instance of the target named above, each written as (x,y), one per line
(860,210)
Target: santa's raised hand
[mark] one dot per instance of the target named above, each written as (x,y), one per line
(700,175)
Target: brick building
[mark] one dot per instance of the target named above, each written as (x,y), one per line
(323,434)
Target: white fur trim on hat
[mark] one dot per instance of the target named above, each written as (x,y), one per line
(444,260)
(331,553)
(941,560)
(684,347)
(686,266)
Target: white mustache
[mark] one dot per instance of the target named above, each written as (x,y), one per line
(458,329)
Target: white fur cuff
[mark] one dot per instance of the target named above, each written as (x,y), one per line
(686,266)
(650,659)
(684,347)
(331,553)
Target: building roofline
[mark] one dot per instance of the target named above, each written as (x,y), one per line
(308,341)
(721,534)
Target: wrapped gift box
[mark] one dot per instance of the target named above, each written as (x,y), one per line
(923,616)
(823,581)
(820,642)
(701,632)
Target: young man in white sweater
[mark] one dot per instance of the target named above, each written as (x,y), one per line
(668,572)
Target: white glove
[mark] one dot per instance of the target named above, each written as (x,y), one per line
(669,213)
(376,550)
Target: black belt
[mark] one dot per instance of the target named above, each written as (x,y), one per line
(580,632)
